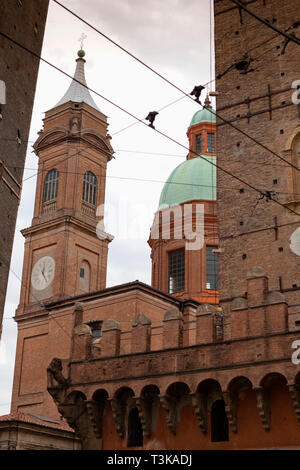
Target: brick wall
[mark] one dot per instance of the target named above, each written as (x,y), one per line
(24,22)
(259,103)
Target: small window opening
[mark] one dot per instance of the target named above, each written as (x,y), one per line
(135,430)
(219,422)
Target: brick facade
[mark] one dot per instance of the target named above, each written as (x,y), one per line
(259,103)
(169,372)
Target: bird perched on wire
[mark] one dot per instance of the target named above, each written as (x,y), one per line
(151,118)
(197,92)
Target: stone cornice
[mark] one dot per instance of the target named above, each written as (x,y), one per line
(119,289)
(64,220)
(42,143)
(65,107)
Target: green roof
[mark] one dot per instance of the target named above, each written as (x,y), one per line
(193,179)
(203,115)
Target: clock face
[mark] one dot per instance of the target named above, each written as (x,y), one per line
(43,273)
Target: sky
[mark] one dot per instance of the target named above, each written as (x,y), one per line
(174,38)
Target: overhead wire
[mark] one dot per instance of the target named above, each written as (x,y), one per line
(162,133)
(265,22)
(290,37)
(170,83)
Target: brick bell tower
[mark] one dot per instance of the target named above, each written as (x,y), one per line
(179,268)
(64,256)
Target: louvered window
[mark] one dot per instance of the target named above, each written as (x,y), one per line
(51,186)
(211,143)
(198,144)
(89,188)
(211,268)
(176,262)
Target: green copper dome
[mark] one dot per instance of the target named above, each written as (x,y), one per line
(191,180)
(203,115)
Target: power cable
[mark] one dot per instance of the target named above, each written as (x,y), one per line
(265,22)
(171,83)
(121,47)
(162,133)
(159,110)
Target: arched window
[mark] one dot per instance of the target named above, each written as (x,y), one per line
(219,422)
(89,188)
(51,186)
(135,430)
(84,277)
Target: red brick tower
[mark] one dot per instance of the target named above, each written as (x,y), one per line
(63,254)
(255,94)
(187,208)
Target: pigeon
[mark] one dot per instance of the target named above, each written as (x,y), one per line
(151,118)
(197,92)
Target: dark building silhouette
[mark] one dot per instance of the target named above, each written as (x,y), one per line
(24,21)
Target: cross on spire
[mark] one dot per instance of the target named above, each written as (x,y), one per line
(82,39)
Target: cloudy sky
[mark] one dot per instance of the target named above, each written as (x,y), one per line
(171,36)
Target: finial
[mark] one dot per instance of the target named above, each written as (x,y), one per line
(207,102)
(82,39)
(81,52)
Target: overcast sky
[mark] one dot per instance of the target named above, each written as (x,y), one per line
(173,37)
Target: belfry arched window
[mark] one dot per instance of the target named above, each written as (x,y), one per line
(51,186)
(219,422)
(135,430)
(89,193)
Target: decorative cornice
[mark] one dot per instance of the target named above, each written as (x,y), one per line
(119,289)
(53,223)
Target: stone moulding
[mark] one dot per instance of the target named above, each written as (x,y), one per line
(119,416)
(169,405)
(95,417)
(200,406)
(263,405)
(231,409)
(145,414)
(294,390)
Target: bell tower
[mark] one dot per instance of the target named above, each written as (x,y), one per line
(65,251)
(63,254)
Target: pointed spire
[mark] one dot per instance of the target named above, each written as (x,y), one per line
(77,92)
(207,102)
